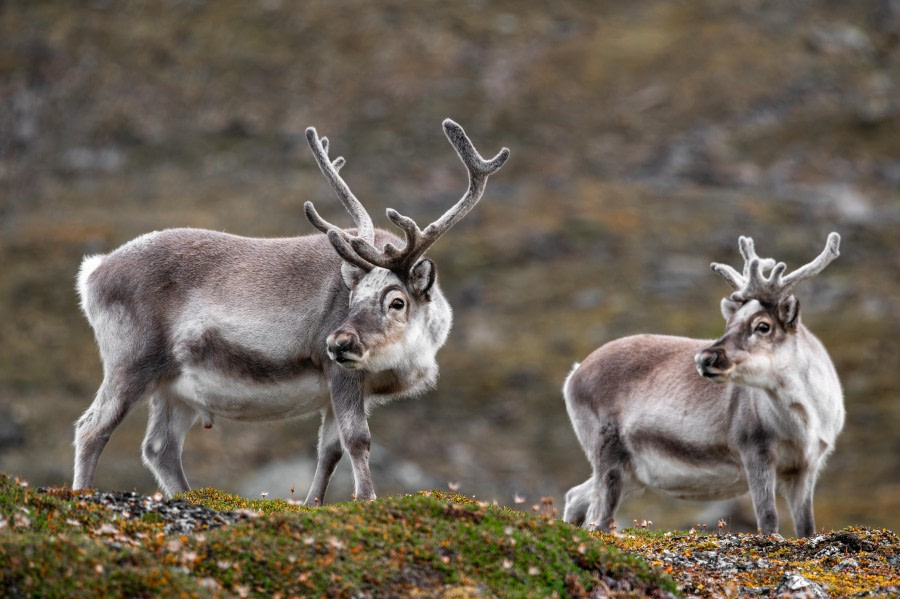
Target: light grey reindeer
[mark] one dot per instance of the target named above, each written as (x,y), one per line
(209,324)
(766,411)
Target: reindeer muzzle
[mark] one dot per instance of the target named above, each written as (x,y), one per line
(713,363)
(344,348)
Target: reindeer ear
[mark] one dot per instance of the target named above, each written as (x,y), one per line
(789,312)
(728,307)
(351,274)
(422,277)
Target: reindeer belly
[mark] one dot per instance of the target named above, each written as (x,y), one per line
(685,470)
(215,393)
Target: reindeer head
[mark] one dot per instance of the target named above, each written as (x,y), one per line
(396,311)
(762,317)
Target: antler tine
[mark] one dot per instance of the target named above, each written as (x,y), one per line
(753,269)
(748,253)
(479,171)
(417,240)
(341,243)
(737,280)
(757,284)
(390,257)
(811,269)
(319,146)
(754,284)
(731,276)
(317,221)
(340,239)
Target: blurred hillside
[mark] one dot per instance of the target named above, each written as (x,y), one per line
(645,138)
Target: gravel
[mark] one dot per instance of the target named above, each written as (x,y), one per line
(179,516)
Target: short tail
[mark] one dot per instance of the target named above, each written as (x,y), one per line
(88,266)
(582,417)
(569,376)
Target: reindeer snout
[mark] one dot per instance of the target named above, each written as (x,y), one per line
(712,362)
(341,344)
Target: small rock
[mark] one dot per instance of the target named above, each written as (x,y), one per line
(828,551)
(794,585)
(847,564)
(851,541)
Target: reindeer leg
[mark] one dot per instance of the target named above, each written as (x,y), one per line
(578,500)
(607,493)
(329,454)
(609,458)
(169,421)
(348,404)
(113,401)
(798,491)
(760,467)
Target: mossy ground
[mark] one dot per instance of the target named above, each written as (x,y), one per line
(851,562)
(54,543)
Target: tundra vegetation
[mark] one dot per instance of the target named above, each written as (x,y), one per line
(55,542)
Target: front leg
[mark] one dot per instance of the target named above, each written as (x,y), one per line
(759,463)
(347,401)
(329,454)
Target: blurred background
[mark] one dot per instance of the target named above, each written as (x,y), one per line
(646,137)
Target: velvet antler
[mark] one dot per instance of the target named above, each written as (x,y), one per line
(360,249)
(755,284)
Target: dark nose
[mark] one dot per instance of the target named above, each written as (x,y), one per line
(709,361)
(341,342)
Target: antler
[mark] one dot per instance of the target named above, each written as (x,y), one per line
(359,249)
(331,169)
(748,252)
(754,284)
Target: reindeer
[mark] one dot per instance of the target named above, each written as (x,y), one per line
(764,412)
(208,324)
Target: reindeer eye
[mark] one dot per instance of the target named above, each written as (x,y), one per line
(763,328)
(398,304)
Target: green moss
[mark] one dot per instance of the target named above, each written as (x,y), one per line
(227,502)
(55,543)
(396,545)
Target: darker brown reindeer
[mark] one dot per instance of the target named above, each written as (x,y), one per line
(763,413)
(207,324)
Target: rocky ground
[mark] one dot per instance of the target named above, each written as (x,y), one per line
(853,562)
(177,516)
(850,562)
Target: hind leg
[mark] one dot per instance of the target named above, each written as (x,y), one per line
(606,495)
(170,419)
(609,458)
(113,401)
(578,500)
(798,491)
